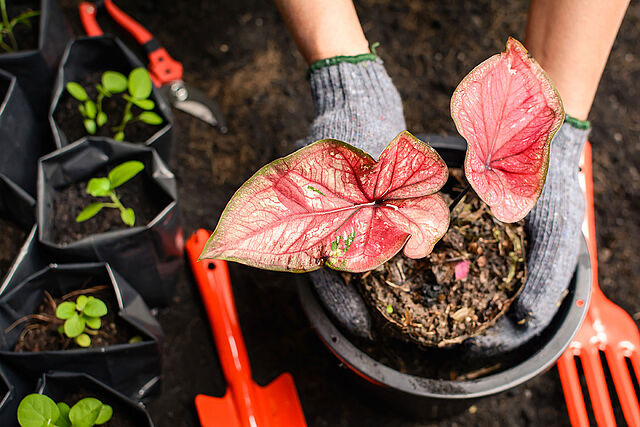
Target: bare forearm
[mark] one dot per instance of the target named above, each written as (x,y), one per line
(572,39)
(324,28)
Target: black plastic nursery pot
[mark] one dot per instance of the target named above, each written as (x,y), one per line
(20,141)
(89,55)
(36,69)
(150,255)
(18,207)
(61,386)
(434,397)
(131,368)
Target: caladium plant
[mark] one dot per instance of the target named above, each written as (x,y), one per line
(508,111)
(332,204)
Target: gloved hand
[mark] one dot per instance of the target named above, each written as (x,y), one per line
(554,233)
(355,102)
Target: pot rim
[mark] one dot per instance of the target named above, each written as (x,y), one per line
(543,357)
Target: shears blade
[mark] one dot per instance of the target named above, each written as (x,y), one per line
(194,102)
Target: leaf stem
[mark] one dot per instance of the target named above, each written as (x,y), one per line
(459,197)
(9,32)
(125,118)
(116,201)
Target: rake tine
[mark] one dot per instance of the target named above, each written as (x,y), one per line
(634,356)
(572,390)
(597,386)
(624,386)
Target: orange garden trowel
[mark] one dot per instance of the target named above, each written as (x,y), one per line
(245,403)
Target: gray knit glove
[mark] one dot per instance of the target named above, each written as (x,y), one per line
(355,102)
(554,227)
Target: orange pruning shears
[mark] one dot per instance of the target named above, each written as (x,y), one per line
(166,72)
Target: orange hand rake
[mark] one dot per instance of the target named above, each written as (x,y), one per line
(607,328)
(245,403)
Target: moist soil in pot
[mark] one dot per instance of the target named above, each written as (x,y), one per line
(139,194)
(70,121)
(417,304)
(119,418)
(11,240)
(26,35)
(41,331)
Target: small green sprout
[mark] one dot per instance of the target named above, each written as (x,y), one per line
(105,187)
(38,410)
(7,26)
(81,318)
(139,88)
(389,309)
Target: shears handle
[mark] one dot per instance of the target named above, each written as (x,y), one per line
(162,67)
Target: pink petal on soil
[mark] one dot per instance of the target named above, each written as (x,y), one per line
(462,270)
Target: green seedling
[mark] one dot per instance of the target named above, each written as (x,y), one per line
(38,410)
(135,90)
(105,187)
(81,318)
(8,40)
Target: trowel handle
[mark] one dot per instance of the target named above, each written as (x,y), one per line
(212,277)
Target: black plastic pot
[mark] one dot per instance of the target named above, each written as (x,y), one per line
(148,256)
(36,69)
(18,206)
(57,385)
(436,397)
(20,143)
(86,55)
(132,368)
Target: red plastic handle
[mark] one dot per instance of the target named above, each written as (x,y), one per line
(214,283)
(88,12)
(162,66)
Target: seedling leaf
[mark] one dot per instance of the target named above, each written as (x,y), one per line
(357,215)
(114,82)
(101,119)
(77,91)
(90,126)
(95,308)
(37,410)
(81,302)
(106,412)
(145,104)
(508,111)
(90,109)
(85,412)
(119,136)
(63,419)
(65,310)
(139,83)
(93,322)
(128,217)
(89,212)
(124,172)
(99,187)
(150,118)
(74,326)
(83,340)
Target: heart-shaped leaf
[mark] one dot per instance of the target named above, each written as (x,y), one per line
(65,310)
(330,203)
(508,111)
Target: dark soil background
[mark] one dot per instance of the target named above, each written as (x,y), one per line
(239,53)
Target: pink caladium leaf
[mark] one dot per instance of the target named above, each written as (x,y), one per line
(508,111)
(332,204)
